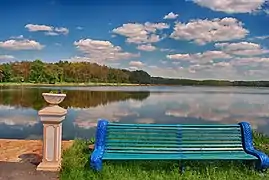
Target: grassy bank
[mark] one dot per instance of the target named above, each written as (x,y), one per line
(76,166)
(70,84)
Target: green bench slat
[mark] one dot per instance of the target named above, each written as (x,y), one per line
(175,125)
(172,138)
(119,156)
(146,149)
(110,141)
(176,133)
(148,130)
(173,156)
(171,128)
(177,152)
(170,135)
(119,145)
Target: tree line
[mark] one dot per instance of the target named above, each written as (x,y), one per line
(86,72)
(64,71)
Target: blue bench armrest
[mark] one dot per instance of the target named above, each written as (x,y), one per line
(249,148)
(99,147)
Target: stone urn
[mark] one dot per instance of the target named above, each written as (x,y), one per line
(54,98)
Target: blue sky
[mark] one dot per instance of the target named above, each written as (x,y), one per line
(199,39)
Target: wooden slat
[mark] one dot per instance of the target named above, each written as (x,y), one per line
(110,141)
(174,156)
(150,138)
(119,145)
(140,131)
(175,125)
(180,152)
(172,135)
(171,128)
(168,150)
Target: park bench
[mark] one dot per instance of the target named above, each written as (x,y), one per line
(117,141)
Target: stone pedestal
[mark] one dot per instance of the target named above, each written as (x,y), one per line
(51,117)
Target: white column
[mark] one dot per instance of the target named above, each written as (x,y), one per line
(51,117)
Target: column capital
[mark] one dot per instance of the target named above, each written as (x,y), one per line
(52,114)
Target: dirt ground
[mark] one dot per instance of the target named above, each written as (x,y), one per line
(23,171)
(12,150)
(19,158)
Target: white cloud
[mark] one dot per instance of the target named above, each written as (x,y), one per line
(146,120)
(166,49)
(36,27)
(136,64)
(185,57)
(146,47)
(17,37)
(153,27)
(141,33)
(24,44)
(249,61)
(18,120)
(170,15)
(49,30)
(212,55)
(205,57)
(235,68)
(204,31)
(6,57)
(266,11)
(51,33)
(62,30)
(259,37)
(58,44)
(222,64)
(232,6)
(114,112)
(242,48)
(79,28)
(100,51)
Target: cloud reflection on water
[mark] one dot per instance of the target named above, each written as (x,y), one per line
(185,105)
(210,108)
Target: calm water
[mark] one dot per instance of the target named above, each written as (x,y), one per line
(204,105)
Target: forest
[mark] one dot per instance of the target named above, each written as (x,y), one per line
(86,72)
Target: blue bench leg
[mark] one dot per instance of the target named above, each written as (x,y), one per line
(259,168)
(182,167)
(96,164)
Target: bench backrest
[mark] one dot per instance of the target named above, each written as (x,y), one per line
(162,138)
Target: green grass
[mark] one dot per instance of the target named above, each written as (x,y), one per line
(75,166)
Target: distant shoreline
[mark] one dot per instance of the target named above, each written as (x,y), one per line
(74,84)
(120,85)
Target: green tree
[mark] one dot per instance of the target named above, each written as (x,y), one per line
(37,71)
(140,77)
(7,73)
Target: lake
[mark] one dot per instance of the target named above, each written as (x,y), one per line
(145,104)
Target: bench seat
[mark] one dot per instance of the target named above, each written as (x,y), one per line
(117,141)
(223,155)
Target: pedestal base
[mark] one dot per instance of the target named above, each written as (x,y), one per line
(49,166)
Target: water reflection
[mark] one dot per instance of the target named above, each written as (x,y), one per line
(18,108)
(22,97)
